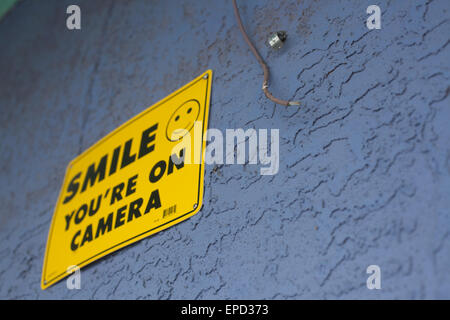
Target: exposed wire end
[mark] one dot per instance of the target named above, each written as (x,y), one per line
(293,103)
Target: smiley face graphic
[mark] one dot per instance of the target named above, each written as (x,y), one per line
(182,120)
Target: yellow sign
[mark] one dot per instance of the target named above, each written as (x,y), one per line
(142,178)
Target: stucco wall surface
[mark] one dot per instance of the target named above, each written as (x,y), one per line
(364,172)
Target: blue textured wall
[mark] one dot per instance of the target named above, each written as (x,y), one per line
(364,162)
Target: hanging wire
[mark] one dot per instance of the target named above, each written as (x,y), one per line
(265,86)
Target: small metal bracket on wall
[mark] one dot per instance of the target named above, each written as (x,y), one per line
(277,39)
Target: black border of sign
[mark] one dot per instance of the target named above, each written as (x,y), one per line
(208,80)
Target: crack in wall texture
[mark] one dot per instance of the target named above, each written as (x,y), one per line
(364,163)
